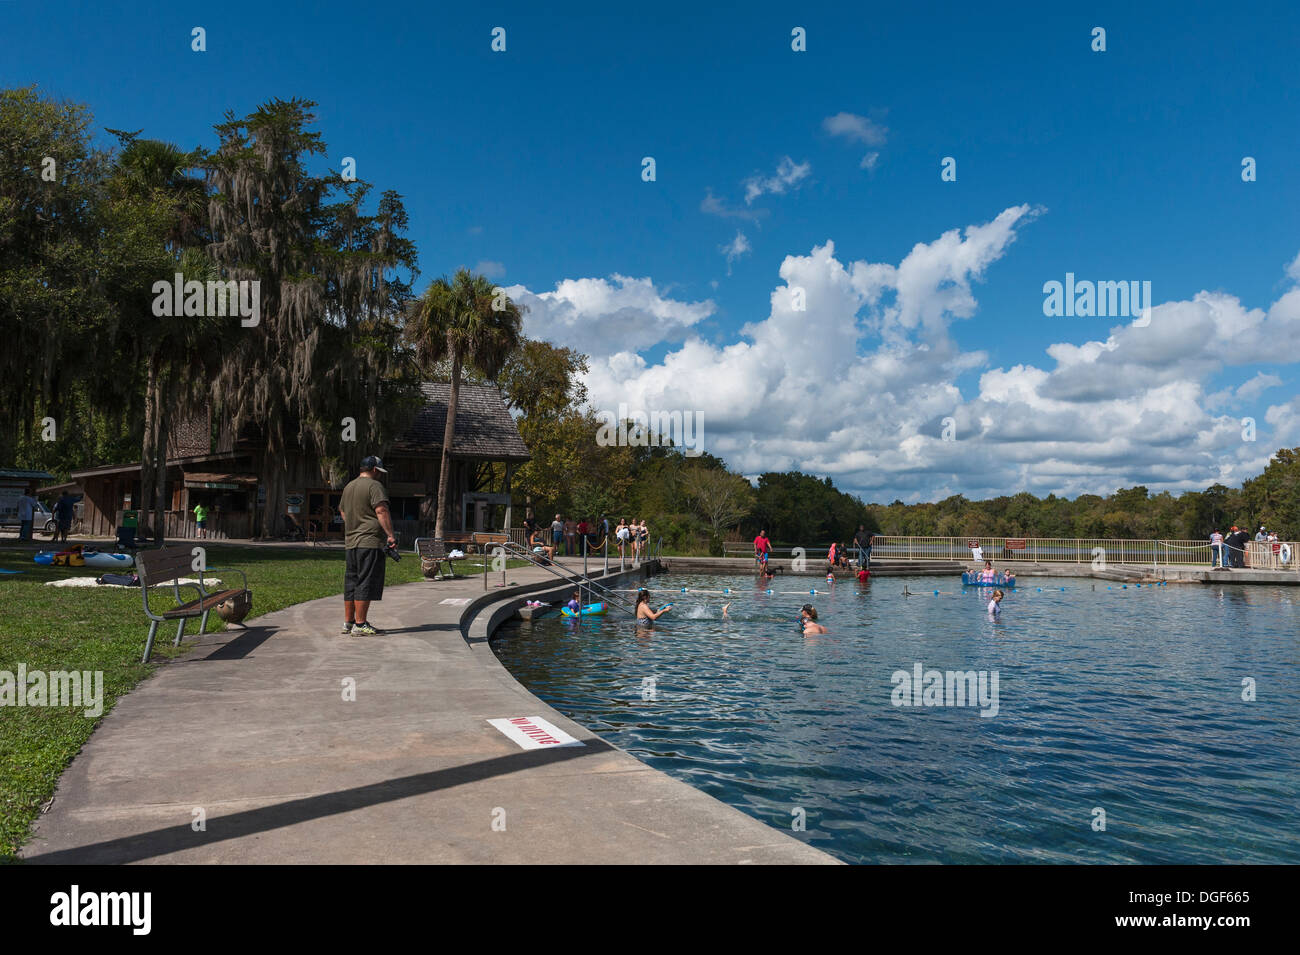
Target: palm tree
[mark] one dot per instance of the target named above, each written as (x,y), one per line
(150,171)
(468,322)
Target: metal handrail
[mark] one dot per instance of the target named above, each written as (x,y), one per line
(513,549)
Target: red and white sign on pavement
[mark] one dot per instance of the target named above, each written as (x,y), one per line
(533,732)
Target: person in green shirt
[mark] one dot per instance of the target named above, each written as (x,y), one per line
(201,519)
(367,530)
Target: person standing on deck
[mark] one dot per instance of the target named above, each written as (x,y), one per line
(1216,549)
(762,548)
(557,533)
(863,542)
(368,529)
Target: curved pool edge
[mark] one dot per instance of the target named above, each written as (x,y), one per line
(705,830)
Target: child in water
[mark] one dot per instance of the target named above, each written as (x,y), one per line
(808,617)
(995,605)
(573,604)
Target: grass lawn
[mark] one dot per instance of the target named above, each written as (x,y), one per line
(104,628)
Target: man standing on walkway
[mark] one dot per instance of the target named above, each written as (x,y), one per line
(367,529)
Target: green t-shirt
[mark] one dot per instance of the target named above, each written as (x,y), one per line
(358,502)
(200,512)
(129,519)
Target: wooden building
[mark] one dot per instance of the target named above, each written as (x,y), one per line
(227,478)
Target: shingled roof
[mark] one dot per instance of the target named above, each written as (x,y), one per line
(484,428)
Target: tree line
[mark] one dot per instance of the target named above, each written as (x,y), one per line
(91,374)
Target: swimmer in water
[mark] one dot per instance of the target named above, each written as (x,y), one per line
(995,605)
(808,617)
(724,608)
(643,611)
(573,604)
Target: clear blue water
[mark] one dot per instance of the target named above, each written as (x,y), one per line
(1127,700)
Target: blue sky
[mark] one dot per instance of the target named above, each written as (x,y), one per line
(1122,165)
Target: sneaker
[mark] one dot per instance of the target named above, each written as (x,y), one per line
(366,629)
(347,628)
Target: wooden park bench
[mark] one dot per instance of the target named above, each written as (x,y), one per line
(167,565)
(485,542)
(433,554)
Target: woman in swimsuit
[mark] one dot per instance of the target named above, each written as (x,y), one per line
(643,611)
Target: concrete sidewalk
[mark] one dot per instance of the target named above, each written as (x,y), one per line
(251,728)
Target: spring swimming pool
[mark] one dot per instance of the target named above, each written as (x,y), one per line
(1123,700)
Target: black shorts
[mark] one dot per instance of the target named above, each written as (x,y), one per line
(364,577)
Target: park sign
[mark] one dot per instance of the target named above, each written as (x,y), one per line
(972,543)
(1015,543)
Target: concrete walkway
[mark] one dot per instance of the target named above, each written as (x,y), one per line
(252,729)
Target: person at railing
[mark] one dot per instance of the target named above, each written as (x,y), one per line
(1216,549)
(557,534)
(584,533)
(570,537)
(1236,546)
(863,540)
(623,534)
(536,541)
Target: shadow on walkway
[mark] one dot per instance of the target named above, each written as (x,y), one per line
(240,647)
(162,842)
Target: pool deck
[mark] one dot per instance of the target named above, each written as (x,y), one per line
(251,728)
(904,568)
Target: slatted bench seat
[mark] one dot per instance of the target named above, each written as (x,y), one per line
(167,565)
(433,554)
(485,542)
